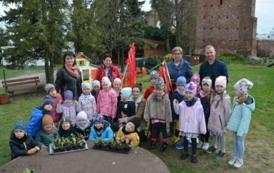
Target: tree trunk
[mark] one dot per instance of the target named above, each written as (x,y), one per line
(47,68)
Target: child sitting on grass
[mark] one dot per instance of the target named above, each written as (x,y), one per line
(21,144)
(101,129)
(48,133)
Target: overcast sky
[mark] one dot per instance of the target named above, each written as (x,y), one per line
(263,12)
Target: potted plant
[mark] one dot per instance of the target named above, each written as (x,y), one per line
(119,145)
(4,98)
(97,143)
(113,144)
(105,144)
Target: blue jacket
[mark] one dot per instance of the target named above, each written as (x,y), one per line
(106,135)
(35,122)
(183,69)
(218,69)
(240,117)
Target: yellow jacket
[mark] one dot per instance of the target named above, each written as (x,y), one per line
(134,138)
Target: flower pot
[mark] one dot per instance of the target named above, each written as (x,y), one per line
(4,99)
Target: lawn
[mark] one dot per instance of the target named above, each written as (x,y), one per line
(14,73)
(259,156)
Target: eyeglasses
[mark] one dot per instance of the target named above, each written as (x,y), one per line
(176,53)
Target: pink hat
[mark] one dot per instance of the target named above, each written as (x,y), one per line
(106,81)
(191,87)
(196,78)
(221,80)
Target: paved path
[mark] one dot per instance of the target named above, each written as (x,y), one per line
(137,161)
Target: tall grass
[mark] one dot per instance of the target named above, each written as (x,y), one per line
(259,156)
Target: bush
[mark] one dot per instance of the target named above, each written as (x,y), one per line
(234,58)
(151,62)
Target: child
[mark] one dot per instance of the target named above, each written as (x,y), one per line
(69,107)
(48,133)
(107,101)
(65,128)
(21,144)
(178,94)
(35,121)
(128,134)
(126,107)
(219,115)
(153,79)
(83,125)
(191,120)
(95,88)
(117,86)
(55,97)
(204,96)
(101,129)
(239,122)
(158,110)
(196,80)
(87,101)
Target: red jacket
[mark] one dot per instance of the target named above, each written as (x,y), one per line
(101,73)
(148,91)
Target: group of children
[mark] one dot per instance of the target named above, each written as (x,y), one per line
(193,110)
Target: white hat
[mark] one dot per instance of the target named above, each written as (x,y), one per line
(243,85)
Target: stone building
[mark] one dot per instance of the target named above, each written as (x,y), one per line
(228,25)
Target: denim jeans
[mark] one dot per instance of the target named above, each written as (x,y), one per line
(238,145)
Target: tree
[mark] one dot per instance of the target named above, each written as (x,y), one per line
(36,29)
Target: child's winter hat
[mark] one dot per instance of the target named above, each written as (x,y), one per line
(106,81)
(47,101)
(126,92)
(46,120)
(20,125)
(196,78)
(98,118)
(207,80)
(153,74)
(65,119)
(243,85)
(82,115)
(68,95)
(136,121)
(96,83)
(85,85)
(191,87)
(117,80)
(48,87)
(181,80)
(221,80)
(160,84)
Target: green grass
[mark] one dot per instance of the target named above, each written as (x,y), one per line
(15,73)
(259,155)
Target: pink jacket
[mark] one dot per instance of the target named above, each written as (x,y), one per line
(191,119)
(107,102)
(55,116)
(219,116)
(89,108)
(70,110)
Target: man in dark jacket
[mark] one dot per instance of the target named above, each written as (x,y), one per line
(212,67)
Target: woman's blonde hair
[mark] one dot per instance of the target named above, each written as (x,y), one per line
(177,48)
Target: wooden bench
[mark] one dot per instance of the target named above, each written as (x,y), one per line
(21,84)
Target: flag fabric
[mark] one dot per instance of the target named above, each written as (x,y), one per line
(164,73)
(131,66)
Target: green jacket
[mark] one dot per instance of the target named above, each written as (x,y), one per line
(44,139)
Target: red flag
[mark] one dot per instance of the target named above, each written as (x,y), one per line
(164,74)
(131,63)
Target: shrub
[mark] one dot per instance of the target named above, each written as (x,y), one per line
(151,62)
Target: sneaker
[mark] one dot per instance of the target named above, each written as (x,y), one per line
(178,145)
(184,156)
(220,155)
(232,161)
(238,163)
(194,159)
(200,144)
(211,149)
(163,147)
(205,146)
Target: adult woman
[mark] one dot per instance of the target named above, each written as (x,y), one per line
(69,76)
(179,66)
(140,104)
(108,69)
